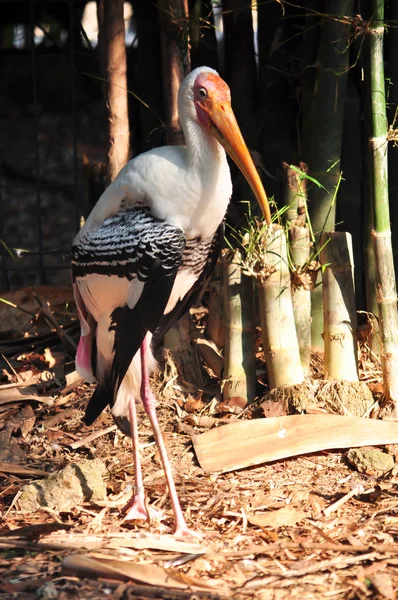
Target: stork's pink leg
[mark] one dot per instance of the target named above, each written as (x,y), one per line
(149,402)
(136,508)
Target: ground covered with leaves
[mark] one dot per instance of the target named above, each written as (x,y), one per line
(307,527)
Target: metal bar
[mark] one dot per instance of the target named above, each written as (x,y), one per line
(33,253)
(32,186)
(33,1)
(27,269)
(74,113)
(5,284)
(37,147)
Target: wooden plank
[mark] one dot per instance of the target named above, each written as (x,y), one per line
(247,443)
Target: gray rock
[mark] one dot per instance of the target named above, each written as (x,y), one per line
(72,486)
(370,461)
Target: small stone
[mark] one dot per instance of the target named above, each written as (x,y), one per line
(48,591)
(370,461)
(72,486)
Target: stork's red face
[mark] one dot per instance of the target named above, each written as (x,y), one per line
(212,98)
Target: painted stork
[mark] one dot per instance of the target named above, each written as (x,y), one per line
(143,252)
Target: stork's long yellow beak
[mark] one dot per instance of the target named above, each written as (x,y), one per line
(224,127)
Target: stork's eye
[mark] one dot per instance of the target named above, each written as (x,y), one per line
(202,93)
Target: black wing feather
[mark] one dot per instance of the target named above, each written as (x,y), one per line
(132,244)
(190,298)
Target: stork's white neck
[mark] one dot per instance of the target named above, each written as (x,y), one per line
(206,161)
(203,150)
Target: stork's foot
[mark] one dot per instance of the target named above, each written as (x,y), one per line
(137,509)
(182,532)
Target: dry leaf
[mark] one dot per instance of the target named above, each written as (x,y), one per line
(122,570)
(277,518)
(299,496)
(383,584)
(127,570)
(193,404)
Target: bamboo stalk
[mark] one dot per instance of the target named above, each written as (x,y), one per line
(276,312)
(340,327)
(295,192)
(239,363)
(368,202)
(385,275)
(325,134)
(215,322)
(300,247)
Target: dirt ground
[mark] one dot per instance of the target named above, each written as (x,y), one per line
(272,532)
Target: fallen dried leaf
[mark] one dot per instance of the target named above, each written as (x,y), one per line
(382,582)
(277,518)
(127,570)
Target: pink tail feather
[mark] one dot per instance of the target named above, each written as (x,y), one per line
(87,330)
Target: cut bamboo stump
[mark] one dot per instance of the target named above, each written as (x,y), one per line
(295,192)
(387,302)
(239,363)
(276,312)
(340,325)
(300,247)
(215,322)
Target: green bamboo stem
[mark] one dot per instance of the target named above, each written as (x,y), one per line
(215,321)
(385,275)
(369,212)
(276,312)
(300,248)
(325,133)
(239,363)
(295,192)
(340,324)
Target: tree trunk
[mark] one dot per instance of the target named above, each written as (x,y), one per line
(113,61)
(173,20)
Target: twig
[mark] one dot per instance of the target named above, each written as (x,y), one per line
(27,312)
(51,320)
(73,380)
(10,386)
(11,367)
(92,437)
(14,469)
(334,563)
(358,489)
(273,549)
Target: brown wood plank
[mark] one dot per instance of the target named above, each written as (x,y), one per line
(248,443)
